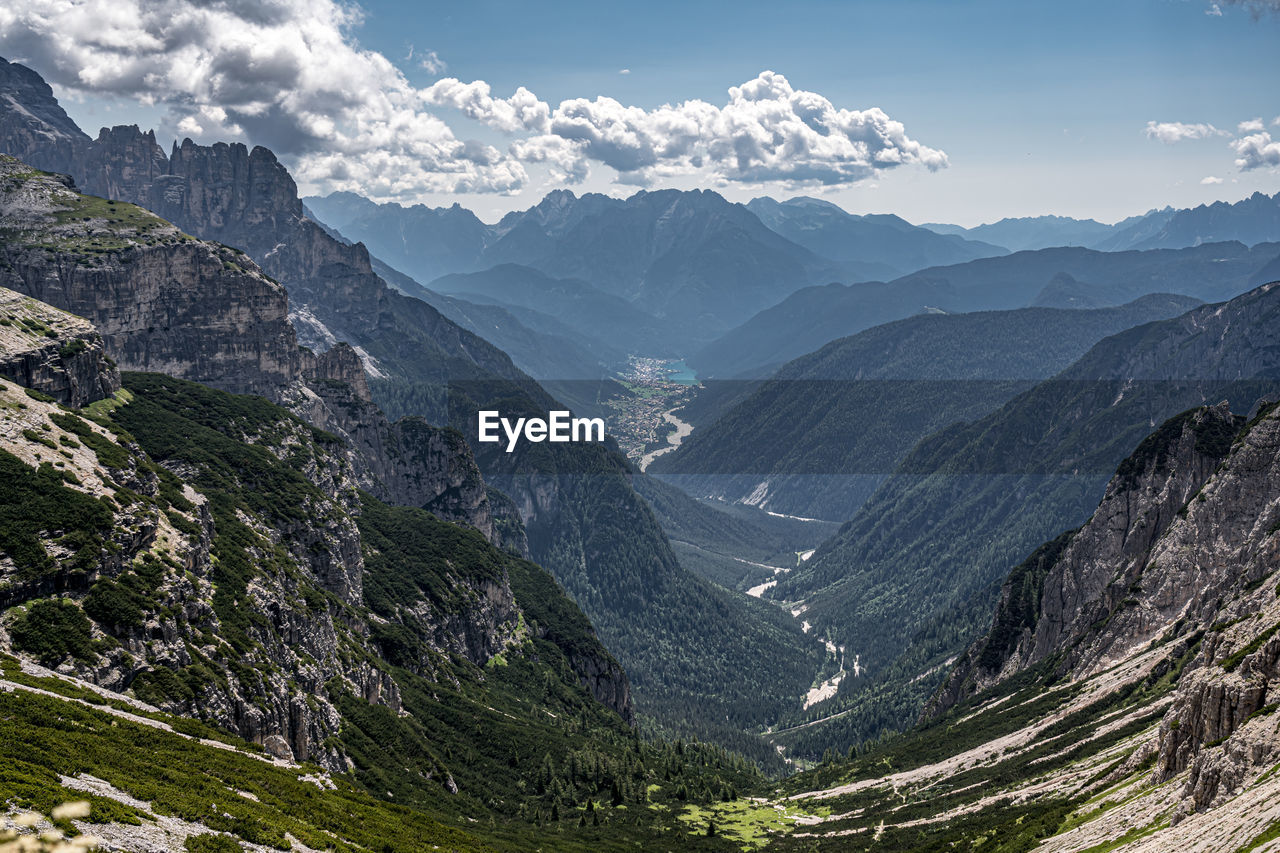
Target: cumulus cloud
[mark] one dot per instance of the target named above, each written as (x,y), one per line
(284,73)
(1214,10)
(289,74)
(522,111)
(1210,180)
(1256,151)
(1169,132)
(1250,126)
(767,132)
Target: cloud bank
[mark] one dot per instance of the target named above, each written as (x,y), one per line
(289,74)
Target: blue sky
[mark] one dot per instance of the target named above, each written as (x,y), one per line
(1038,107)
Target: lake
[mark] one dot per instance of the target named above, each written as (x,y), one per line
(681,373)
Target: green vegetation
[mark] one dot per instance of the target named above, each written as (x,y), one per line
(1232,662)
(210,843)
(528,749)
(743,662)
(52,630)
(33,501)
(42,737)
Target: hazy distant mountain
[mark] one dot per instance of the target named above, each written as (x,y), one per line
(693,259)
(1031,232)
(554,353)
(596,316)
(823,432)
(1060,277)
(424,242)
(886,239)
(1255,219)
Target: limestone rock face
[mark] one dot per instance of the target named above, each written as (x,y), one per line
(122,163)
(1095,595)
(166,303)
(1183,555)
(408,462)
(246,198)
(53,352)
(606,681)
(163,302)
(33,125)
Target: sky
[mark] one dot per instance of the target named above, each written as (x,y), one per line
(962,112)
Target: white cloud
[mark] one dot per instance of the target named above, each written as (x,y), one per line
(1214,10)
(1169,132)
(284,73)
(522,111)
(1256,151)
(1210,180)
(625,71)
(767,132)
(290,75)
(433,64)
(1249,126)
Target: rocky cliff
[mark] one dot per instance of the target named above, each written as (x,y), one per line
(162,301)
(1124,697)
(53,352)
(244,197)
(197,310)
(1090,597)
(1179,559)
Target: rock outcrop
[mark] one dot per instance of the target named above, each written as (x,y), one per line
(1181,557)
(408,462)
(167,303)
(1089,598)
(245,197)
(53,352)
(162,301)
(33,125)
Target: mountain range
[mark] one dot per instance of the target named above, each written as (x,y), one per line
(954,516)
(1251,220)
(980,554)
(847,414)
(1054,278)
(583,520)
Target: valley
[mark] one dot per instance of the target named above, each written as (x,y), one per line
(662,517)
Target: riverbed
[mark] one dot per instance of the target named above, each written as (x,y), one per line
(673,440)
